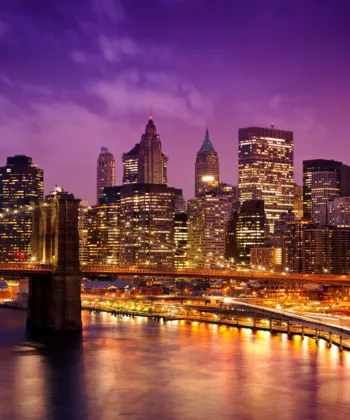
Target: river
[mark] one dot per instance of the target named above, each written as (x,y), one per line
(135,368)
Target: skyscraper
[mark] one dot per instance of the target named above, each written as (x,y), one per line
(324,186)
(208,216)
(266,169)
(131,165)
(105,172)
(152,163)
(251,228)
(21,183)
(298,202)
(207,167)
(322,165)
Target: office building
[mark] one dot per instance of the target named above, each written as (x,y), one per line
(298,208)
(339,212)
(206,167)
(105,172)
(323,165)
(293,245)
(146,226)
(324,186)
(131,165)
(251,228)
(326,249)
(266,169)
(152,163)
(208,216)
(21,183)
(266,258)
(181,239)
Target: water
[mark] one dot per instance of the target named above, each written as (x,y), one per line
(124,368)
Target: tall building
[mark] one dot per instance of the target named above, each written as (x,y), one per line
(339,212)
(152,163)
(251,227)
(21,183)
(323,165)
(181,239)
(298,208)
(326,249)
(146,226)
(131,165)
(292,245)
(206,167)
(324,186)
(207,230)
(105,172)
(266,169)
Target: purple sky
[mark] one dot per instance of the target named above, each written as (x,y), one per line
(79,74)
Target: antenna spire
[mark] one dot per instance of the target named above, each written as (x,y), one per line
(150,111)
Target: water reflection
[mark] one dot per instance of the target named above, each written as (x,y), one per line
(134,368)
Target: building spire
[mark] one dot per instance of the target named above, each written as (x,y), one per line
(150,110)
(207,133)
(207,146)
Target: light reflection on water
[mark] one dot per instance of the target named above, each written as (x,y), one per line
(134,368)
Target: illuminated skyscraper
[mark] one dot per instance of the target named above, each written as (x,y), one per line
(131,165)
(152,163)
(298,202)
(146,226)
(208,217)
(105,172)
(339,212)
(266,169)
(181,239)
(324,186)
(207,167)
(21,183)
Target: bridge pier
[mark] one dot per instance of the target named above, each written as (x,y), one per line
(54,300)
(302,332)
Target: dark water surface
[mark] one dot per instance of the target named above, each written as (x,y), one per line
(123,368)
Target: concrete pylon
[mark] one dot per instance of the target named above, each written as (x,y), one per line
(54,300)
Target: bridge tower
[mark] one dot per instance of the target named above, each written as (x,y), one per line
(54,300)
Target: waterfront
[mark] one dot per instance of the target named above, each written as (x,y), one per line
(134,368)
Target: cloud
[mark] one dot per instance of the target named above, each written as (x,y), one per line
(114,49)
(79,57)
(169,97)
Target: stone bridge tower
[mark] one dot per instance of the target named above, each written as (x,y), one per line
(54,300)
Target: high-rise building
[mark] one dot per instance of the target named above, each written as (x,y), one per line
(206,167)
(292,245)
(339,212)
(323,165)
(100,241)
(207,230)
(298,202)
(152,163)
(266,169)
(180,202)
(324,186)
(146,226)
(251,228)
(266,258)
(231,246)
(181,239)
(105,172)
(326,249)
(21,183)
(131,165)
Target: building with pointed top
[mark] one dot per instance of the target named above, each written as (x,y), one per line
(105,172)
(152,163)
(207,167)
(131,165)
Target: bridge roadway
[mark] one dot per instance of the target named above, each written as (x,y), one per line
(32,268)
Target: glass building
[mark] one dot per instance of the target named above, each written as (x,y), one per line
(266,169)
(21,183)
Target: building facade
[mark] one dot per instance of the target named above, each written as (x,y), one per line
(146,226)
(266,169)
(206,167)
(152,163)
(181,239)
(325,185)
(131,165)
(105,172)
(21,183)
(339,212)
(251,228)
(266,258)
(298,209)
(208,216)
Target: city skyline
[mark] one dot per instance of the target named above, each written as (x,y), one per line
(112,65)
